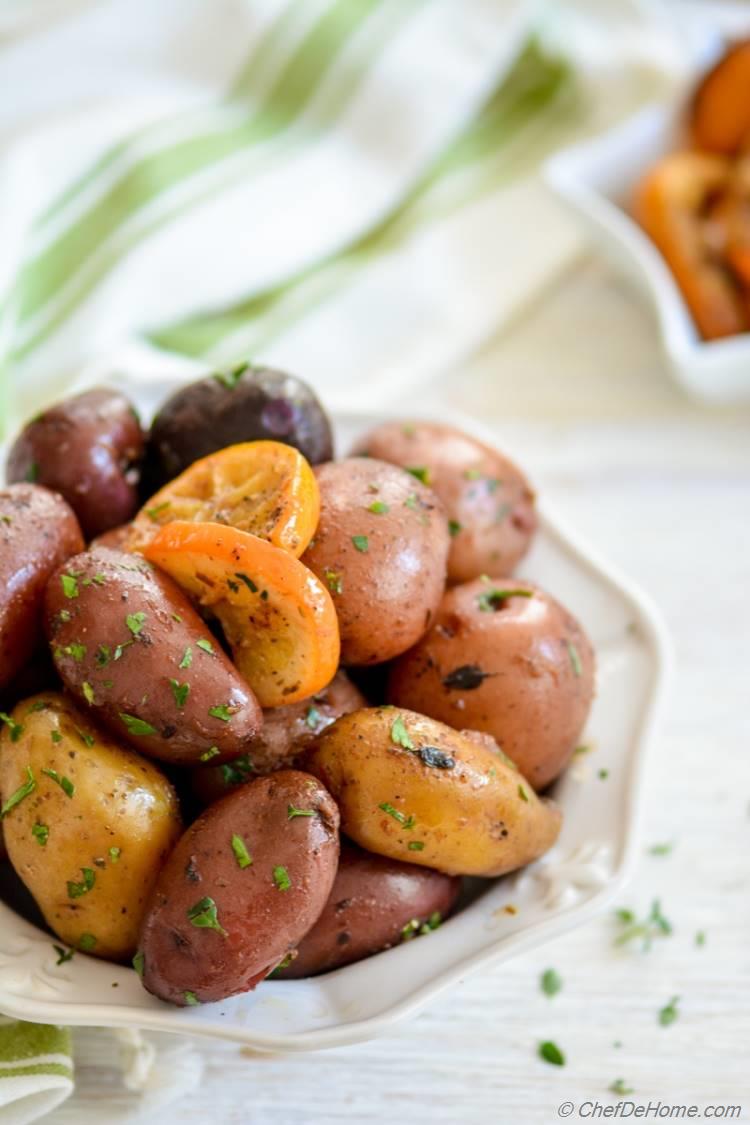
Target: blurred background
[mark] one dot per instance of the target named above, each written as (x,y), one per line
(355,191)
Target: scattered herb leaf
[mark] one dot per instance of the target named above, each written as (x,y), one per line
(23,791)
(669,1013)
(204,915)
(400,735)
(180,692)
(551,982)
(40,832)
(281,878)
(241,854)
(136,726)
(551,1053)
(221,712)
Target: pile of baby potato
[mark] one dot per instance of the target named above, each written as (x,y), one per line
(198,627)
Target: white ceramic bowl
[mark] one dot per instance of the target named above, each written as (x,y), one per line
(587,868)
(596,180)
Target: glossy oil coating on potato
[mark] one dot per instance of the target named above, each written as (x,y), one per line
(504,657)
(375,903)
(487,499)
(287,731)
(417,791)
(87,448)
(245,883)
(244,403)
(87,824)
(131,648)
(38,531)
(381,547)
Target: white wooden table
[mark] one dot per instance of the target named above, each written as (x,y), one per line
(662,487)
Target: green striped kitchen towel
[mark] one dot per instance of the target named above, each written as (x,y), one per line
(36,1070)
(306,182)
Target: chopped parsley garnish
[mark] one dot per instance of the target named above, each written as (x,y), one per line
(40,705)
(231,377)
(551,1053)
(362,543)
(88,739)
(86,943)
(291,812)
(619,1086)
(88,691)
(205,916)
(466,677)
(334,581)
(24,790)
(155,512)
(551,982)
(700,938)
(212,752)
(472,474)
(136,726)
(241,854)
(523,794)
(114,854)
(400,735)
(654,925)
(411,501)
(221,712)
(248,581)
(40,832)
(120,649)
(139,963)
(15,729)
(65,783)
(69,585)
(582,750)
(378,508)
(206,646)
(135,622)
(63,954)
(32,473)
(669,1013)
(238,770)
(415,928)
(312,718)
(405,821)
(187,658)
(191,1000)
(180,692)
(95,580)
(283,964)
(491,600)
(575,660)
(281,878)
(103,656)
(6,520)
(421,472)
(437,758)
(454,527)
(415,846)
(76,890)
(660,849)
(603,775)
(77,651)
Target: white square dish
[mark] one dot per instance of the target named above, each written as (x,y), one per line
(596,181)
(587,868)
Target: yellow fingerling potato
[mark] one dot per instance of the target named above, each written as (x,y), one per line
(414,789)
(87,824)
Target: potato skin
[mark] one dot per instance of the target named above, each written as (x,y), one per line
(522,672)
(387,589)
(88,449)
(371,902)
(261,921)
(487,499)
(38,531)
(229,408)
(119,599)
(118,800)
(286,732)
(470,809)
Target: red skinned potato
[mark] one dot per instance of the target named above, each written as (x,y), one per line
(505,658)
(130,647)
(38,531)
(381,548)
(375,903)
(287,731)
(244,885)
(88,449)
(487,499)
